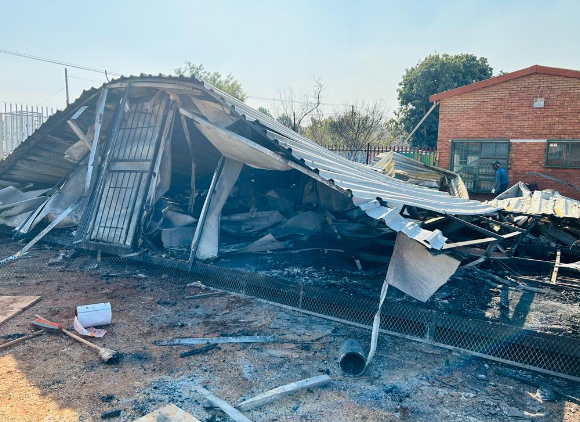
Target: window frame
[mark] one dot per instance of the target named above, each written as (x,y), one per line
(503,160)
(568,143)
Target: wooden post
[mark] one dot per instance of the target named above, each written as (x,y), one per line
(191,202)
(556,267)
(66,85)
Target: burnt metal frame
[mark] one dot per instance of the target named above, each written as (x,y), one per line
(133,226)
(165,121)
(166,134)
(83,227)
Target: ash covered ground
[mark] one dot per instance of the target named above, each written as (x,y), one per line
(467,292)
(54,378)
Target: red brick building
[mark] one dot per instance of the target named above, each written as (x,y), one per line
(529,120)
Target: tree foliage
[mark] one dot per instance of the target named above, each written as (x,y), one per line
(364,123)
(265,111)
(319,131)
(436,73)
(228,84)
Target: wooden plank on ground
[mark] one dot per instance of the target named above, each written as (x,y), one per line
(10,306)
(169,413)
(233,413)
(282,391)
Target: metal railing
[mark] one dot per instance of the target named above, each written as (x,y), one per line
(18,122)
(365,155)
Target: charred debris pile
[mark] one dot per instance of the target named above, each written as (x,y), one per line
(175,169)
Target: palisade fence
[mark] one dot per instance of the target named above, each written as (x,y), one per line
(18,122)
(365,155)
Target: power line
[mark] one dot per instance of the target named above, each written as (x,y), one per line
(85,79)
(57,92)
(92,69)
(296,102)
(58,62)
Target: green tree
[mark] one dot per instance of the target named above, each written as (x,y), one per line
(364,123)
(228,84)
(265,111)
(436,73)
(285,120)
(319,131)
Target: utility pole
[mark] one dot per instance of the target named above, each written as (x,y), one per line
(294,124)
(66,86)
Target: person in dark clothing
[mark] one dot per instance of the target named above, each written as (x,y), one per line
(501,179)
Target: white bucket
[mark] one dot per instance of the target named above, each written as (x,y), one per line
(94,315)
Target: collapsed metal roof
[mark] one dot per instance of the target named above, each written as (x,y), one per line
(361,179)
(415,172)
(263,143)
(520,199)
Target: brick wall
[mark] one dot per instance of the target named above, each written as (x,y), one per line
(504,111)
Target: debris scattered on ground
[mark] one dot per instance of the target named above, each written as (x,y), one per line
(352,359)
(407,379)
(105,354)
(198,350)
(284,390)
(188,341)
(204,295)
(232,412)
(88,332)
(21,339)
(10,306)
(169,413)
(111,414)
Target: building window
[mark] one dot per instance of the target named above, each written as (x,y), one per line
(472,160)
(563,153)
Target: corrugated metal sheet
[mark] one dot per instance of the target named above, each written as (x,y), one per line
(394,164)
(370,190)
(40,158)
(519,198)
(362,180)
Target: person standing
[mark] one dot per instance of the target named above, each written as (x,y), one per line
(501,179)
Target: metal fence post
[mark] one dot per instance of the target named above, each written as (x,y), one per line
(368,153)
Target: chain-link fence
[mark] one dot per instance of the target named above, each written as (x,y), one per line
(529,349)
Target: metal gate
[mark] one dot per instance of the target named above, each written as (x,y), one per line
(114,210)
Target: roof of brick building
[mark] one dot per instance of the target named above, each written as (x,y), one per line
(568,73)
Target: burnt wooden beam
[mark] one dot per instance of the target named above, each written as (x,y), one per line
(556,267)
(474,227)
(526,233)
(502,224)
(478,241)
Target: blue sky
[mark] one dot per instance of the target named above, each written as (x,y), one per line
(360,49)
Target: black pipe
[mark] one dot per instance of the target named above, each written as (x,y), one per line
(352,358)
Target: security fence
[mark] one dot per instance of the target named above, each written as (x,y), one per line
(18,122)
(546,353)
(366,155)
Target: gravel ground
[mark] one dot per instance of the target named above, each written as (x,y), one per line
(52,378)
